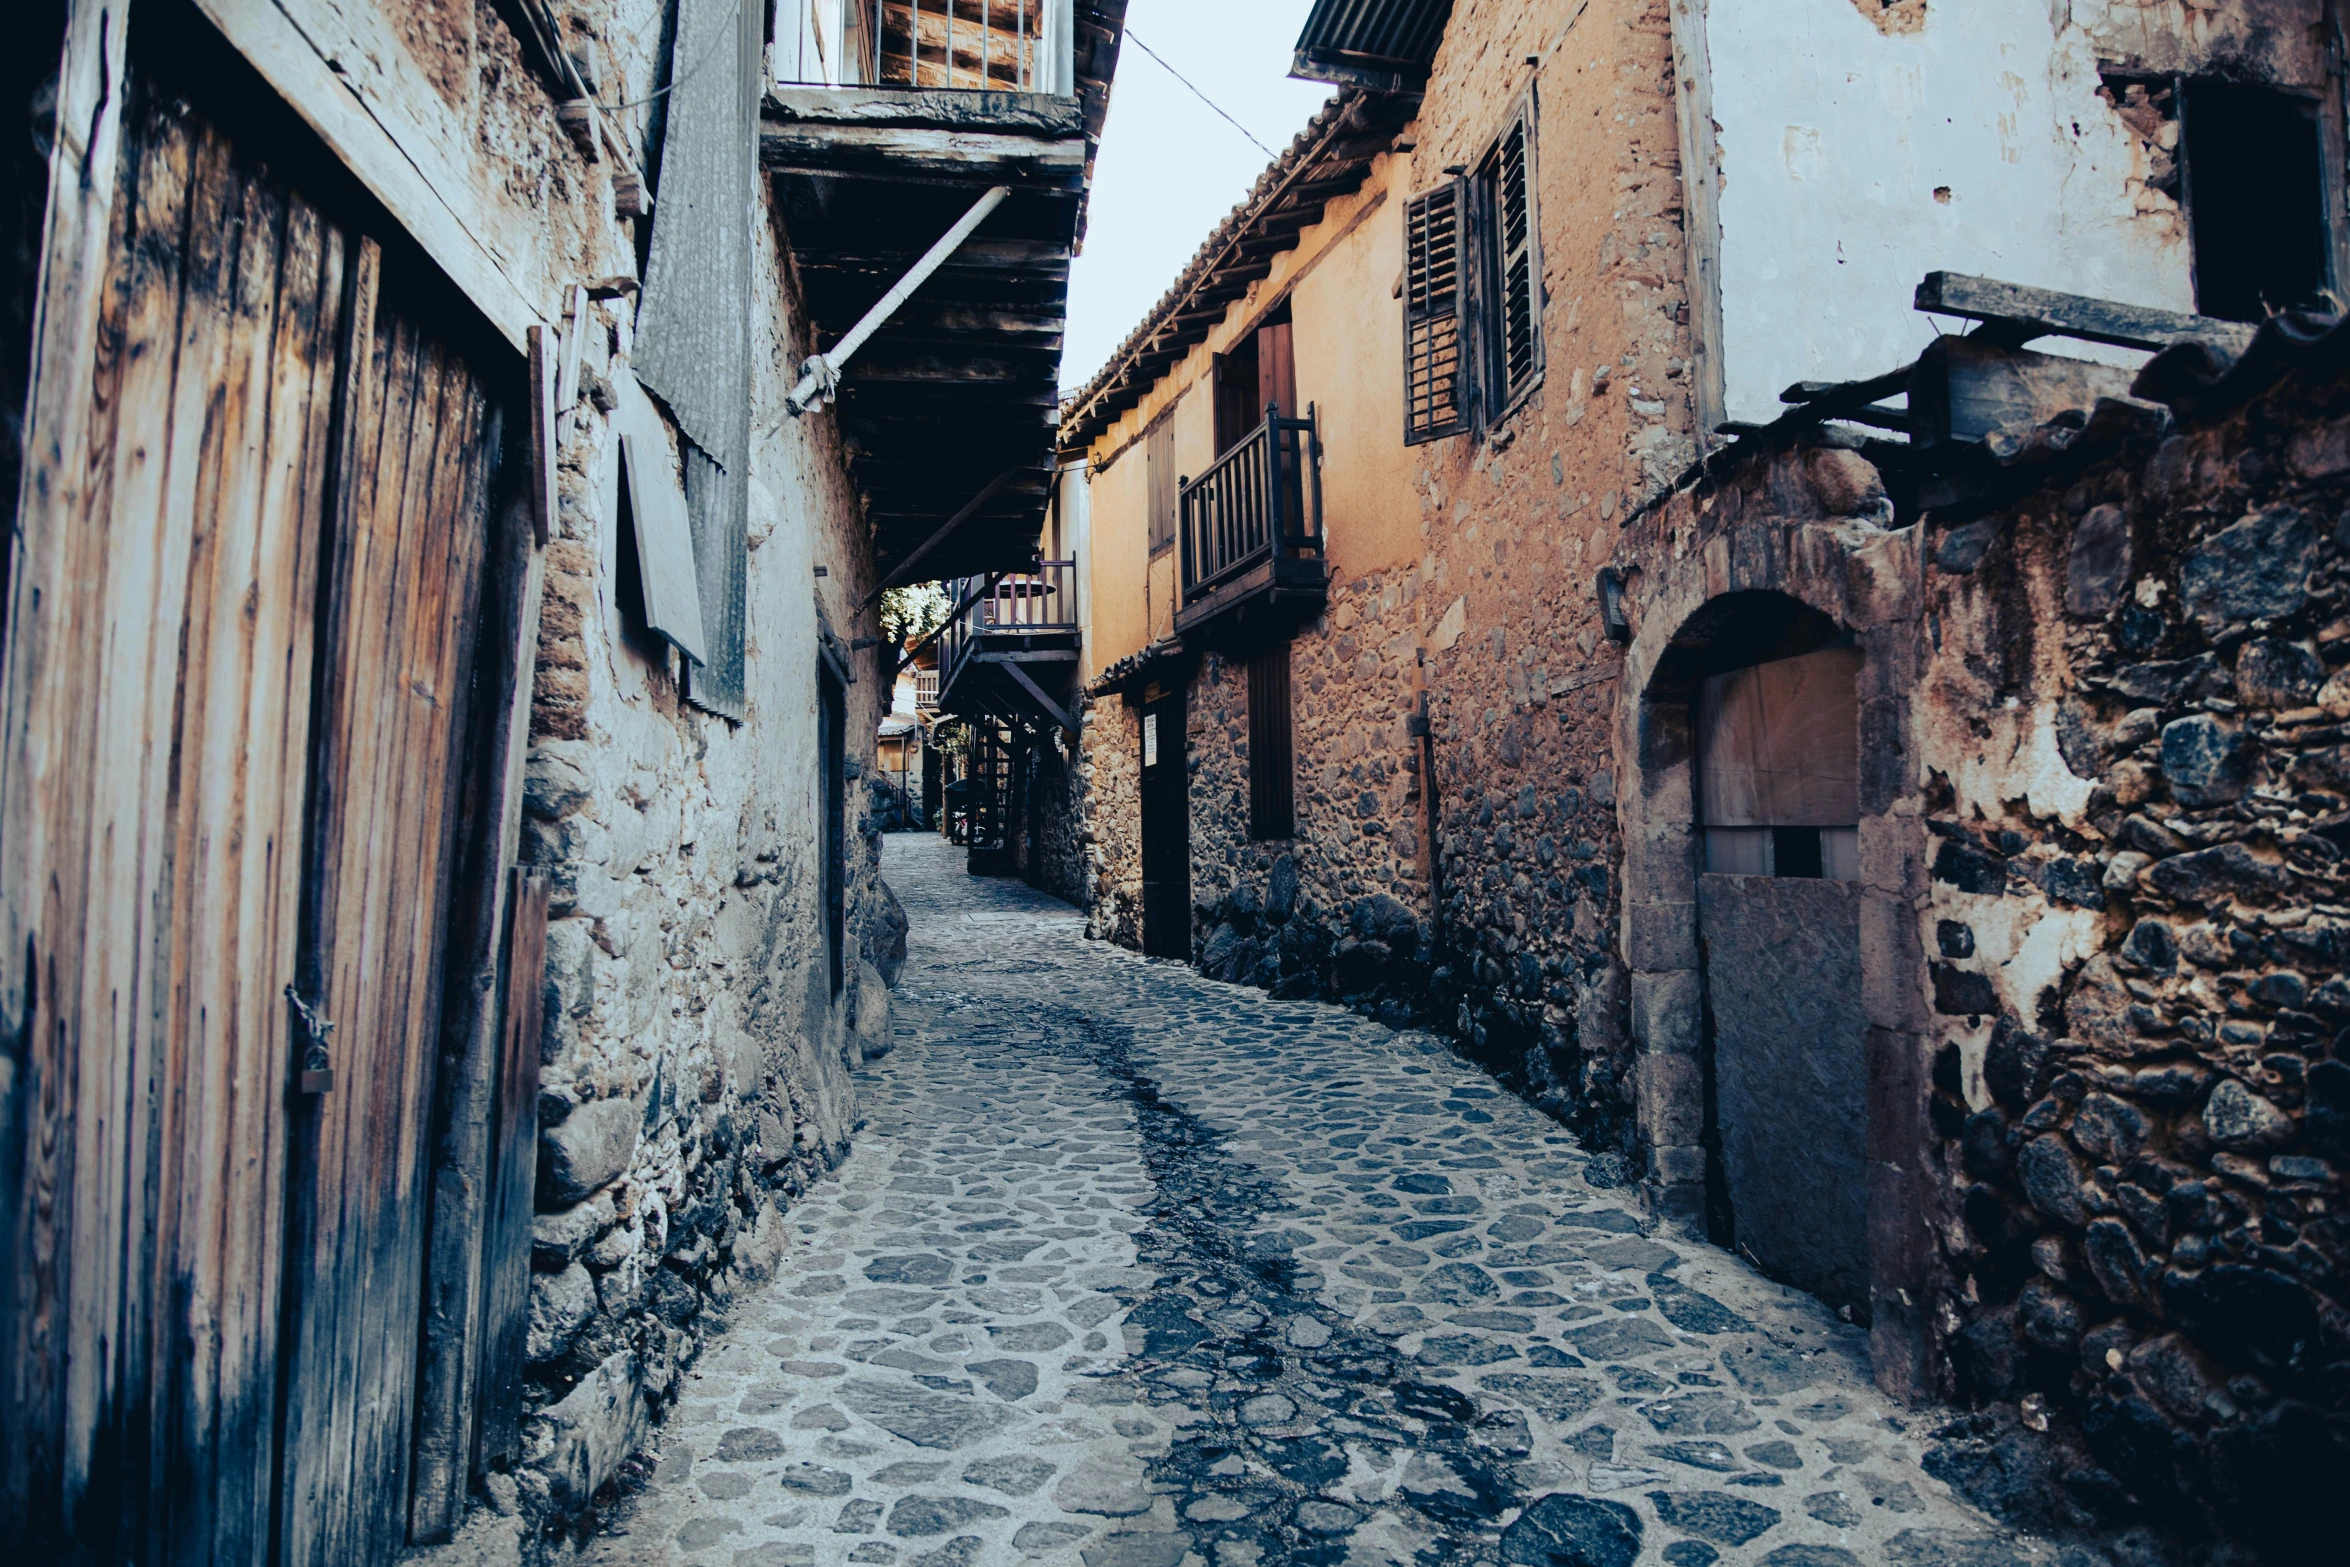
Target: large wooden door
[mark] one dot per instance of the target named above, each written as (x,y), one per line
(1166,828)
(238,662)
(162,788)
(396,663)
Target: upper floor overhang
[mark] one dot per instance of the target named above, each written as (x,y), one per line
(949,408)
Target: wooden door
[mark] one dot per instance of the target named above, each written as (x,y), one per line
(237,667)
(156,790)
(397,641)
(1166,829)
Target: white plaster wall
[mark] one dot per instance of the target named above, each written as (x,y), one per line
(1834,137)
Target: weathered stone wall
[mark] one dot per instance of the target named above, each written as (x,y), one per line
(2133,728)
(1107,802)
(1052,857)
(695,1058)
(1340,909)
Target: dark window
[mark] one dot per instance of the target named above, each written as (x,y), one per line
(1272,788)
(1158,473)
(832,755)
(2256,205)
(1473,291)
(1260,369)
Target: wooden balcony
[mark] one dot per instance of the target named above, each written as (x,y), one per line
(1012,655)
(1250,533)
(878,145)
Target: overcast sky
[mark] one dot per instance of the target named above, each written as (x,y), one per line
(1169,169)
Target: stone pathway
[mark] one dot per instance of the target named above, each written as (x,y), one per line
(1133,1269)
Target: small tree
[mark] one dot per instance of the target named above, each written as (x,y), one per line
(911,613)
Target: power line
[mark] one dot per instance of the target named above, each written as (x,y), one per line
(1136,40)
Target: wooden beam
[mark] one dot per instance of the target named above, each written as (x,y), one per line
(1060,716)
(821,373)
(977,157)
(1006,113)
(903,572)
(2040,312)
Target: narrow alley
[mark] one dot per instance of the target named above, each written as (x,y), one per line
(1136,1269)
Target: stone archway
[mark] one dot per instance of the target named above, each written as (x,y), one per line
(1749,589)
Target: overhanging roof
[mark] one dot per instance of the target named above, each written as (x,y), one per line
(1381,45)
(1328,159)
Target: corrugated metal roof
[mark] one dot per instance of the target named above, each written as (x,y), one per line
(1381,45)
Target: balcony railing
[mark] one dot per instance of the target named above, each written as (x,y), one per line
(1262,501)
(1043,601)
(960,45)
(925,690)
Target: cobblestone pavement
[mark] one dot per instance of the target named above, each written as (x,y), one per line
(1133,1269)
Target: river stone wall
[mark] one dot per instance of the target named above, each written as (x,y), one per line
(2133,732)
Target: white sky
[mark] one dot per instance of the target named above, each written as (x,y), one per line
(1169,168)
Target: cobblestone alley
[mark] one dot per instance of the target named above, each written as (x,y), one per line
(1135,1269)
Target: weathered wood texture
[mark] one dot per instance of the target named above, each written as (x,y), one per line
(36,695)
(465,1261)
(399,624)
(514,1166)
(409,134)
(169,677)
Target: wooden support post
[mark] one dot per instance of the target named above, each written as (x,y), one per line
(903,572)
(1028,684)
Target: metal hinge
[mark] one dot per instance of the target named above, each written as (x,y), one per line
(318,1068)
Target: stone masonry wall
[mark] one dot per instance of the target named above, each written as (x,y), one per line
(2139,930)
(1341,908)
(1106,798)
(695,1060)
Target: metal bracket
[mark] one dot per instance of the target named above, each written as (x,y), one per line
(318,1068)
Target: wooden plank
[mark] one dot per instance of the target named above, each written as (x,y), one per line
(1011,113)
(664,542)
(514,1170)
(2040,312)
(437,208)
(973,157)
(468,1260)
(403,622)
(46,806)
(1964,388)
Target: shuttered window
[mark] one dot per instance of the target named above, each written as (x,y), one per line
(1473,291)
(1517,257)
(1159,476)
(1272,788)
(1435,401)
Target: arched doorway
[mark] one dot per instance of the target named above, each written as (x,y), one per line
(1761,693)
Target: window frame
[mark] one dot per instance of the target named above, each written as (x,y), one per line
(1161,481)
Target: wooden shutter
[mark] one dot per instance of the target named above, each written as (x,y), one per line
(1517,313)
(1272,787)
(1158,477)
(1435,401)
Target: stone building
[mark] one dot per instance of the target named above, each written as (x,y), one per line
(1554,571)
(451,467)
